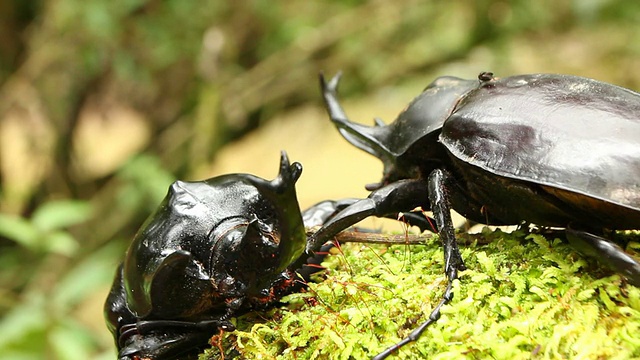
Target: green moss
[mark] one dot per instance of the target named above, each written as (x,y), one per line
(523,296)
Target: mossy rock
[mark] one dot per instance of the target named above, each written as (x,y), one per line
(523,296)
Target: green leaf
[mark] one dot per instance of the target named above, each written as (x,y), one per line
(337,340)
(60,214)
(24,319)
(94,272)
(70,341)
(60,242)
(19,230)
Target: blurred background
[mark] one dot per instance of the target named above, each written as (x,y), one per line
(103,103)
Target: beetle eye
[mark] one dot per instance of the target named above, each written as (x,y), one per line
(230,287)
(263,227)
(261,237)
(226,285)
(227,229)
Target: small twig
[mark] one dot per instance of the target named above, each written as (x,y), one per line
(369,237)
(381,238)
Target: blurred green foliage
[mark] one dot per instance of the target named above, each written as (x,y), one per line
(191,76)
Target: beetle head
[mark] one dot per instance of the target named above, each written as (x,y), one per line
(275,234)
(252,248)
(413,133)
(226,237)
(209,246)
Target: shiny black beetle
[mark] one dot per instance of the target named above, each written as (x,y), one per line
(552,150)
(213,249)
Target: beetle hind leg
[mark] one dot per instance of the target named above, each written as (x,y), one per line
(605,251)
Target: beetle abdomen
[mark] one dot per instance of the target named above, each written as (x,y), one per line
(560,131)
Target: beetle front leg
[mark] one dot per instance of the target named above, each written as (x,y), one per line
(318,214)
(388,201)
(441,208)
(323,212)
(166,339)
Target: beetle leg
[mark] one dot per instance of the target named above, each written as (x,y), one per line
(203,325)
(166,339)
(319,213)
(439,199)
(163,345)
(391,199)
(387,201)
(605,251)
(312,264)
(441,208)
(415,334)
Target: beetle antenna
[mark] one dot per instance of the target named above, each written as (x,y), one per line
(415,334)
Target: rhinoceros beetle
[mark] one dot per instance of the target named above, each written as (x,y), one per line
(551,150)
(212,250)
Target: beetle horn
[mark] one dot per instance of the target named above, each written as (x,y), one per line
(288,175)
(285,181)
(281,192)
(372,139)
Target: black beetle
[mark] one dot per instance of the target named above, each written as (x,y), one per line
(212,250)
(552,150)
